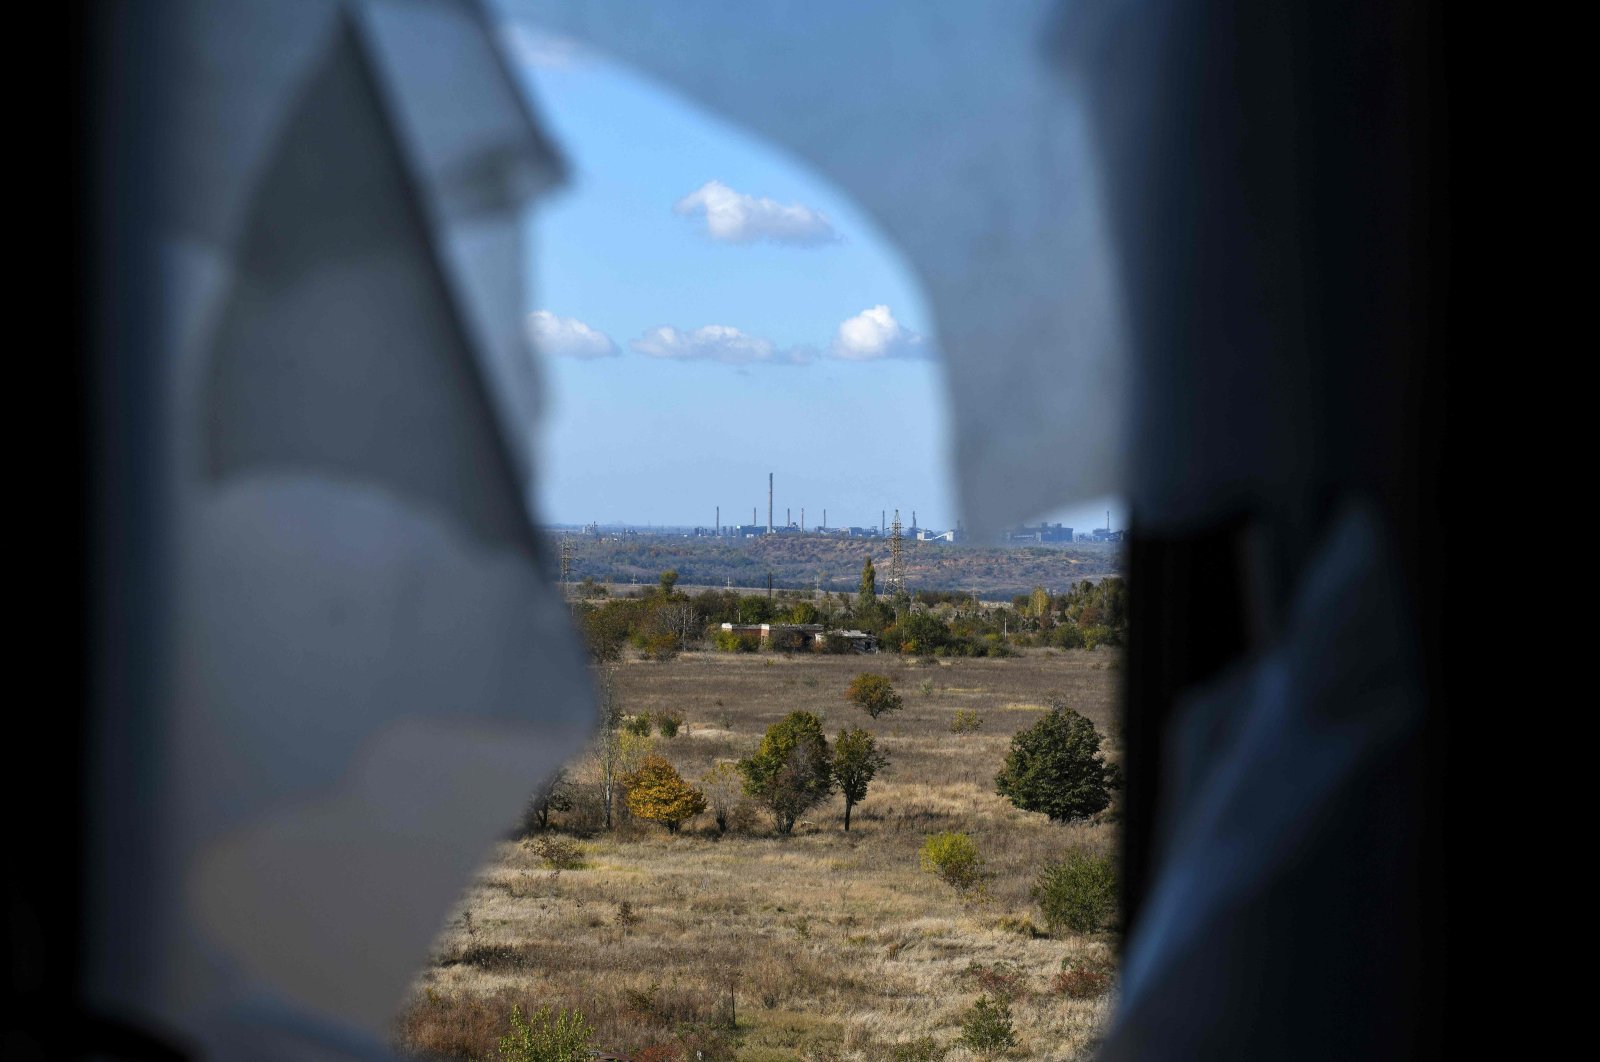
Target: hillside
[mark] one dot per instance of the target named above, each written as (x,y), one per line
(801,562)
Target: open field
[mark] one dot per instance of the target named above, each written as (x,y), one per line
(820,945)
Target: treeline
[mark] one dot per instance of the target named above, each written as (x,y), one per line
(661,621)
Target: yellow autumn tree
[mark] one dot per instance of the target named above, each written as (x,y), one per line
(658,793)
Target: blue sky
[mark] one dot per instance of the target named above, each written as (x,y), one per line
(710,310)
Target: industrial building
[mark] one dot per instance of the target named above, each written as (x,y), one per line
(1038,535)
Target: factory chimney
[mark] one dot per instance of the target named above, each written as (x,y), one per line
(769,503)
(802,519)
(719,521)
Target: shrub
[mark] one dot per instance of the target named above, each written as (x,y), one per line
(561,1036)
(1055,767)
(724,789)
(1003,980)
(1078,892)
(638,724)
(660,645)
(657,793)
(965,721)
(1021,925)
(1081,982)
(986,1029)
(669,722)
(954,857)
(873,694)
(922,1049)
(556,853)
(925,687)
(729,642)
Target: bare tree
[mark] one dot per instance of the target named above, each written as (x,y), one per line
(682,620)
(608,743)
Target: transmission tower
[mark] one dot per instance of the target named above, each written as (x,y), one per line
(897,572)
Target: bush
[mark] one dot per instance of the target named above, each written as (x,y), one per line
(1079,892)
(669,722)
(556,853)
(873,694)
(729,642)
(1021,925)
(965,721)
(1055,767)
(659,645)
(1003,980)
(1081,982)
(986,1029)
(922,1049)
(638,724)
(954,857)
(562,1036)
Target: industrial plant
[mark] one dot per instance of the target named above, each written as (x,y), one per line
(887,527)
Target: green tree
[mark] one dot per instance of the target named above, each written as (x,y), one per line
(791,772)
(918,632)
(856,760)
(1055,767)
(804,612)
(867,595)
(657,793)
(669,579)
(873,694)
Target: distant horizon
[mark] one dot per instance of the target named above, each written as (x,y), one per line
(1085,521)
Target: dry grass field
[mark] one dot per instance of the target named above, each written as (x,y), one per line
(822,945)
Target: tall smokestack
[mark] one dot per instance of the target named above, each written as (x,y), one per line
(769,503)
(719,521)
(883,520)
(788,518)
(802,518)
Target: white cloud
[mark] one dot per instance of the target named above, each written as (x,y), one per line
(733,217)
(532,47)
(719,343)
(873,334)
(568,337)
